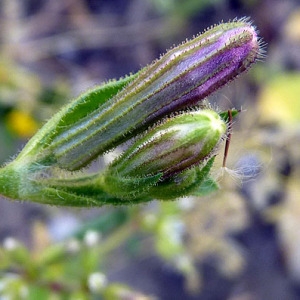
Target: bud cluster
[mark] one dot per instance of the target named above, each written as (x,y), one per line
(181,78)
(162,107)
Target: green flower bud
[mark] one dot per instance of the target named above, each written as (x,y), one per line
(173,146)
(167,149)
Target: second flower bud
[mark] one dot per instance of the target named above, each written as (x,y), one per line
(170,148)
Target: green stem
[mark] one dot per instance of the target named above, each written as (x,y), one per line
(10,181)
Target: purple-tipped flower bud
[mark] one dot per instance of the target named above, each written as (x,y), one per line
(181,78)
(173,146)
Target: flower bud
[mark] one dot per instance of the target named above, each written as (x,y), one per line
(166,150)
(173,146)
(181,78)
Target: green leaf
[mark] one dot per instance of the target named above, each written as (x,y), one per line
(206,184)
(206,187)
(224,114)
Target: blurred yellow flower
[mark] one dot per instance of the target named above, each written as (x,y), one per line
(21,123)
(279,100)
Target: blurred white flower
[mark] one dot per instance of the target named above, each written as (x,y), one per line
(92,238)
(10,243)
(96,282)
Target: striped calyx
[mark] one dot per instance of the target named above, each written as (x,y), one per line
(173,146)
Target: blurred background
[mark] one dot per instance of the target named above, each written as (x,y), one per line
(240,243)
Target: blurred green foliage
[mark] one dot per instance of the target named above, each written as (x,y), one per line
(77,266)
